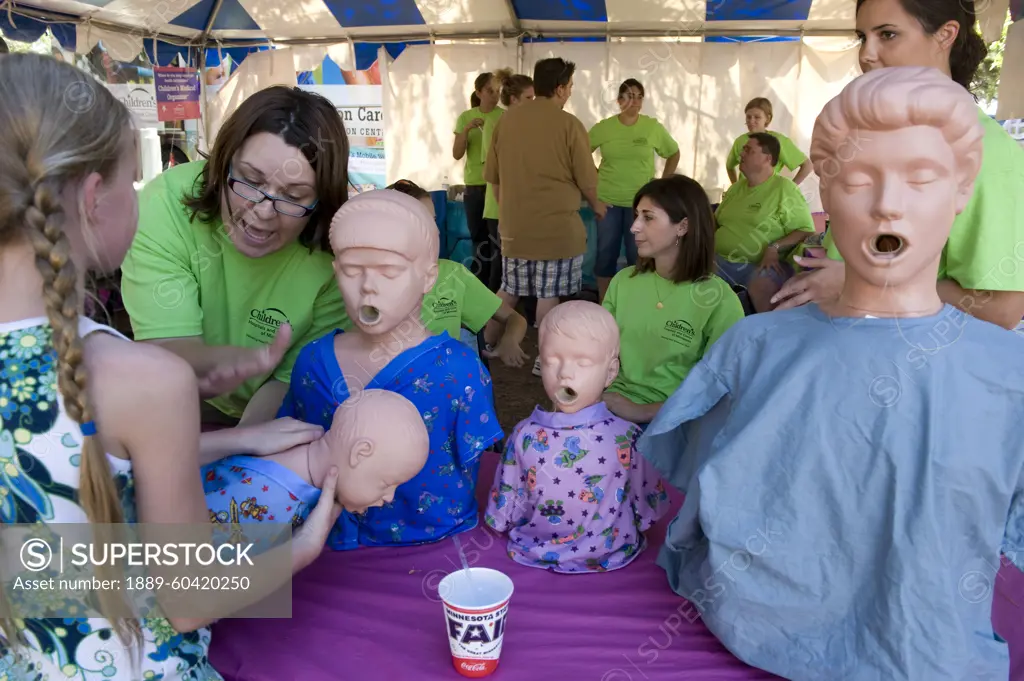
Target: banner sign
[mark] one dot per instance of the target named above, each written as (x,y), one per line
(140,101)
(361,109)
(177,93)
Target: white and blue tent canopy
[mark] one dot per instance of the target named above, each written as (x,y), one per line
(174,26)
(400,20)
(250,23)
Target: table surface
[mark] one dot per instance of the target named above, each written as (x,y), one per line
(373,614)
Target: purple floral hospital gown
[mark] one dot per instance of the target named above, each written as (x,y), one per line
(573,493)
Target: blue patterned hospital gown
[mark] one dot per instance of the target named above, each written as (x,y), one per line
(248,489)
(452,392)
(850,485)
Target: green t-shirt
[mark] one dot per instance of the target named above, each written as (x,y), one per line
(457,299)
(790,155)
(750,218)
(984,250)
(490,200)
(659,347)
(627,156)
(183,278)
(476,152)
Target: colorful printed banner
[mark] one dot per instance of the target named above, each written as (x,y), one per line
(177,93)
(360,104)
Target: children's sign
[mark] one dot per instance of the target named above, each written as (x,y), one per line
(177,93)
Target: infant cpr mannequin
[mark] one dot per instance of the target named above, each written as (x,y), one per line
(845,466)
(377,440)
(385,246)
(571,491)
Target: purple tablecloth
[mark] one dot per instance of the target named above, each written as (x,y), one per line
(373,615)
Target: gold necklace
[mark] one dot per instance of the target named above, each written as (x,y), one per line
(657,290)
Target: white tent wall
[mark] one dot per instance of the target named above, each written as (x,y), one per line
(697,90)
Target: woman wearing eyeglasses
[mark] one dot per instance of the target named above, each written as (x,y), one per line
(231,267)
(628,142)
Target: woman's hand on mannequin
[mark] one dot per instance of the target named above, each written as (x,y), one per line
(823,281)
(308,541)
(244,364)
(278,436)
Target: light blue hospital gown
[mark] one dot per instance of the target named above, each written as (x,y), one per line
(849,486)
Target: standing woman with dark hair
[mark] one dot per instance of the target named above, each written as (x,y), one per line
(231,268)
(469,144)
(981,271)
(515,89)
(628,142)
(671,306)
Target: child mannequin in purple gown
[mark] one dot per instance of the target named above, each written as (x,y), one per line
(572,492)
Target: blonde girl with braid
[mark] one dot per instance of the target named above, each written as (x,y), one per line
(96,428)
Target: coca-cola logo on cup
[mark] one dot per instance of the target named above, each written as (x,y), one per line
(475,667)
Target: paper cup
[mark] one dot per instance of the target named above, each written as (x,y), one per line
(475,612)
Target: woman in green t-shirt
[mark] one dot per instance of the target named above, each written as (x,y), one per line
(515,89)
(759,114)
(671,307)
(231,268)
(469,144)
(982,266)
(628,142)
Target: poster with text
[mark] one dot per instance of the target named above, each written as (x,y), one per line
(177,93)
(140,100)
(360,107)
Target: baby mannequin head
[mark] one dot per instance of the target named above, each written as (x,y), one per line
(378,442)
(385,258)
(897,151)
(579,353)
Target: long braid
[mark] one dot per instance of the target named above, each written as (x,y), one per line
(97,492)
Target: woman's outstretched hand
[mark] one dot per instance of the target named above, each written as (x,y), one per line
(247,363)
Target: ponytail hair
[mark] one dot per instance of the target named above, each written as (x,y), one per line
(479,84)
(512,85)
(57,126)
(969,48)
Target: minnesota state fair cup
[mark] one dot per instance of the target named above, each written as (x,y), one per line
(475,611)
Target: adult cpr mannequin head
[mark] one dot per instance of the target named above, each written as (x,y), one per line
(897,151)
(378,442)
(579,352)
(385,259)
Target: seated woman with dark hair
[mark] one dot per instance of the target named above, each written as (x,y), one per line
(460,299)
(670,307)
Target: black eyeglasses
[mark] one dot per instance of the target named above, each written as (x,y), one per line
(256,195)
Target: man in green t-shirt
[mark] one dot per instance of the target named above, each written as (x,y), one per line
(760,216)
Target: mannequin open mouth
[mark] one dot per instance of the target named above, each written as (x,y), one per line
(887,245)
(566,395)
(369,315)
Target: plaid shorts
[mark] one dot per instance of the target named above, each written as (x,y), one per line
(542,278)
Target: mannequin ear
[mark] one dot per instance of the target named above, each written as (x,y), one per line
(613,372)
(430,279)
(963,194)
(361,449)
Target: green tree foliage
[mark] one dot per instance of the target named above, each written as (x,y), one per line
(986,81)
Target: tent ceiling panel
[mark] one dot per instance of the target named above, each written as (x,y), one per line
(412,19)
